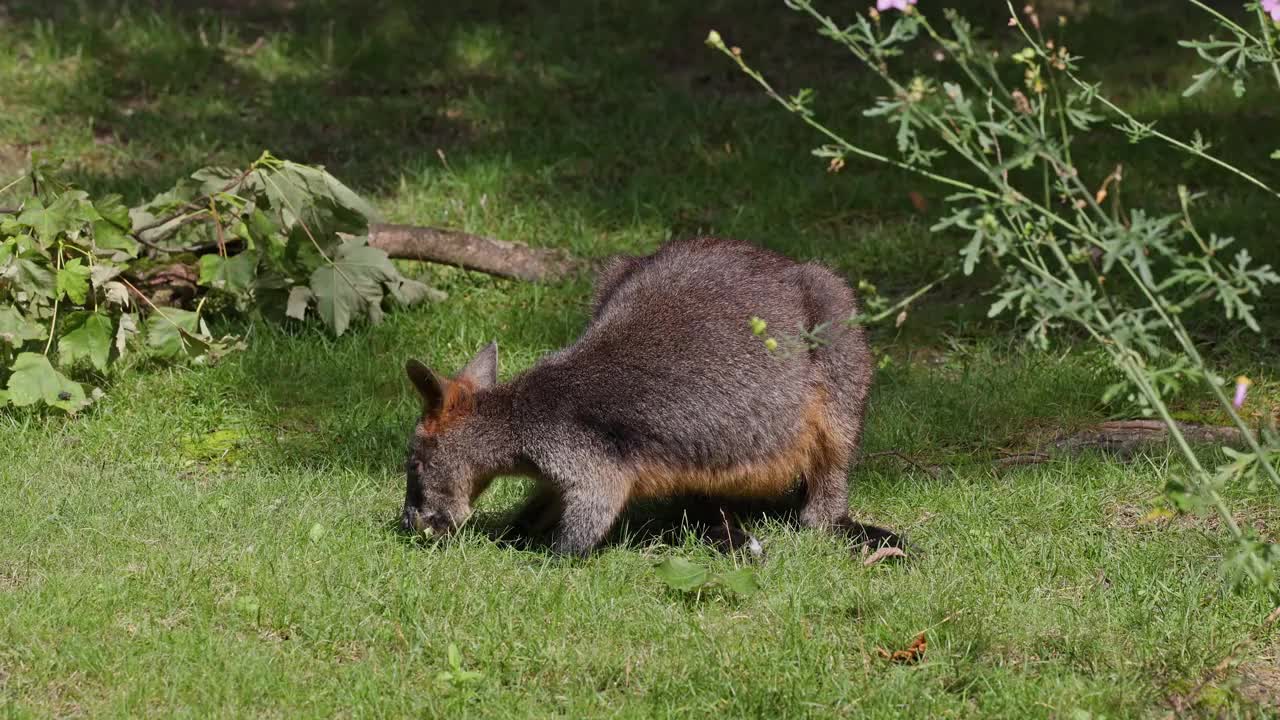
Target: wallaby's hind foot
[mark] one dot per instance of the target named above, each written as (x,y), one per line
(826,505)
(728,537)
(870,535)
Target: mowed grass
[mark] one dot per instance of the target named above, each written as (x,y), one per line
(219,541)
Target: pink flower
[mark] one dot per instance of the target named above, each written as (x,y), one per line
(1272,7)
(883,5)
(1242,383)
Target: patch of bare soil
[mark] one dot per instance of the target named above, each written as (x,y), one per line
(1260,681)
(13,161)
(1149,514)
(10,579)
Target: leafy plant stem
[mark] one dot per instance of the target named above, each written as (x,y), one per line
(1265,22)
(53,322)
(904,303)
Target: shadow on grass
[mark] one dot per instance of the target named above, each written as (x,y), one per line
(608,110)
(604,123)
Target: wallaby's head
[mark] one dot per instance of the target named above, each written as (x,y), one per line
(448,463)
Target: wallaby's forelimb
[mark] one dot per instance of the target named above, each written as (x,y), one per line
(540,513)
(589,513)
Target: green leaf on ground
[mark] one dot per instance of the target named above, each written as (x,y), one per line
(34,380)
(741,581)
(32,278)
(352,284)
(172,332)
(109,236)
(46,223)
(317,199)
(112,209)
(680,574)
(234,274)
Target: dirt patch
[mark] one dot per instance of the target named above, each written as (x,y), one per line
(11,579)
(1151,514)
(1260,682)
(13,162)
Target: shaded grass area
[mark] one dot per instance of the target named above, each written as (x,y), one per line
(162,554)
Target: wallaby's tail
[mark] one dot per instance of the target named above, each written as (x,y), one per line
(842,357)
(829,305)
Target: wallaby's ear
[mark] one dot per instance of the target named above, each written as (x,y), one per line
(482,371)
(430,386)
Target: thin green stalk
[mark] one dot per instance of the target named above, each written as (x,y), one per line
(870,319)
(1236,27)
(1265,22)
(57,298)
(845,144)
(9,186)
(1147,128)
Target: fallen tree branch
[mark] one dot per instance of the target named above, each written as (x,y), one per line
(1029,458)
(473,252)
(1125,436)
(405,242)
(1121,437)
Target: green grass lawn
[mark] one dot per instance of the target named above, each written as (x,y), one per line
(218,541)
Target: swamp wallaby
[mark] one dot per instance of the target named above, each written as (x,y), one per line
(667,392)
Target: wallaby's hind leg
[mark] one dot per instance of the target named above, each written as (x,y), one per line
(846,366)
(826,505)
(589,513)
(826,497)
